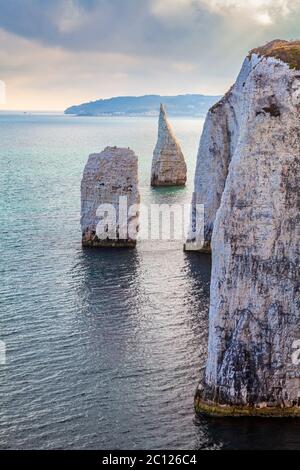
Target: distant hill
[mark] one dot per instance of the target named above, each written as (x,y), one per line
(148,105)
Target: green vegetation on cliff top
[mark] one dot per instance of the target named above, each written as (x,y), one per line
(287,51)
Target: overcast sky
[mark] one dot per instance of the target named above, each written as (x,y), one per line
(62,52)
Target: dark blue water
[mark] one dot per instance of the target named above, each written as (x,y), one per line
(104,348)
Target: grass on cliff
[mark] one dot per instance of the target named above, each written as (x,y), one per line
(287,51)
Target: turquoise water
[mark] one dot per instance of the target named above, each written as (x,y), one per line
(104,348)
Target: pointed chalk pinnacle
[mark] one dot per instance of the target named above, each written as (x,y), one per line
(168,164)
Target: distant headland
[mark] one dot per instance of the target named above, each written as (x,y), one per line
(193,105)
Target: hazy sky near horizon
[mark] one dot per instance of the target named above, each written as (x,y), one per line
(61,52)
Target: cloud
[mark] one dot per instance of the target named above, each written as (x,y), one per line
(261,11)
(53,78)
(71,16)
(170,7)
(165,27)
(94,48)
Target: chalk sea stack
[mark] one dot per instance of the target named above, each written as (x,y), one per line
(108,176)
(248,176)
(168,164)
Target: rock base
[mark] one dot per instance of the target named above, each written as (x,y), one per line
(95,242)
(207,407)
(155,183)
(200,248)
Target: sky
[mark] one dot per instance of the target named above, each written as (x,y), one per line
(56,53)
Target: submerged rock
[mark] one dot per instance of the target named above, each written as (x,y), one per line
(250,149)
(168,164)
(107,220)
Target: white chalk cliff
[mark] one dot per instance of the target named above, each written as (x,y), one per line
(168,164)
(248,176)
(108,176)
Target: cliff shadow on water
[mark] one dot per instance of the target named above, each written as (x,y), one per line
(198,274)
(251,433)
(243,433)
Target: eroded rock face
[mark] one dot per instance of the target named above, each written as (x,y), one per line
(108,176)
(219,139)
(217,145)
(254,204)
(168,164)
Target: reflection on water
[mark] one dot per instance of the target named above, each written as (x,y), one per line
(248,433)
(104,348)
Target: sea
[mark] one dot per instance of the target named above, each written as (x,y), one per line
(103,348)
